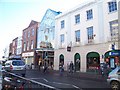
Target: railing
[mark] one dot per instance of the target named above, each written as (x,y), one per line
(22,83)
(76,44)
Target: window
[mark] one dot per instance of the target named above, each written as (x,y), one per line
(28,34)
(24,35)
(33,32)
(90,34)
(24,46)
(114,29)
(62,24)
(32,43)
(112,6)
(77,19)
(77,36)
(89,14)
(62,38)
(28,45)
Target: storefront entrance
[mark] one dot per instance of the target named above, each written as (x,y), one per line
(77,62)
(112,58)
(61,59)
(93,61)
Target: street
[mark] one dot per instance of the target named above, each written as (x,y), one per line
(61,82)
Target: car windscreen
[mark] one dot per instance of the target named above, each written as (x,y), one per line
(18,63)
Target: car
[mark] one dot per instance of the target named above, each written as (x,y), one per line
(114,79)
(15,66)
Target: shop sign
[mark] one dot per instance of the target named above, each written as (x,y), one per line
(114,53)
(28,54)
(68,48)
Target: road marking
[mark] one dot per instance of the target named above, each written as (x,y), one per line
(75,86)
(66,84)
(57,83)
(60,83)
(41,78)
(45,80)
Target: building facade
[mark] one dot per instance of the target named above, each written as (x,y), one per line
(86,35)
(45,37)
(19,46)
(10,49)
(29,43)
(14,46)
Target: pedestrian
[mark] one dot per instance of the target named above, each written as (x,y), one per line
(71,67)
(102,69)
(45,66)
(61,68)
(40,64)
(51,65)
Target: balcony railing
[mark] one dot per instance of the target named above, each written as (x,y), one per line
(76,44)
(90,42)
(61,46)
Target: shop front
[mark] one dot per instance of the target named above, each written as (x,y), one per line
(112,58)
(77,62)
(61,59)
(28,57)
(93,62)
(45,54)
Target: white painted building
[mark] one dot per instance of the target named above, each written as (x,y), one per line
(90,30)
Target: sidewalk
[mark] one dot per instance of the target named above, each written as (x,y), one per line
(78,75)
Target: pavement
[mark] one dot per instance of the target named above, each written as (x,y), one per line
(78,75)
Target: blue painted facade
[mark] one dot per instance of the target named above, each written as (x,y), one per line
(46,28)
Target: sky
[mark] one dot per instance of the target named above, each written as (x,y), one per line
(16,15)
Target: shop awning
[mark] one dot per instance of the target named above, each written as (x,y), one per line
(93,54)
(45,49)
(112,53)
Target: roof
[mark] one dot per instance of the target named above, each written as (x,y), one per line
(32,23)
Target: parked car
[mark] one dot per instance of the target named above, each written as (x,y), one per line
(114,78)
(15,66)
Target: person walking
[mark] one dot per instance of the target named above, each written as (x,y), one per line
(71,67)
(45,66)
(40,64)
(61,69)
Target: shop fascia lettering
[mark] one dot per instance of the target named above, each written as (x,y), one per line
(27,54)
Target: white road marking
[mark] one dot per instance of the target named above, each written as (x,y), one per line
(41,78)
(57,82)
(75,86)
(45,80)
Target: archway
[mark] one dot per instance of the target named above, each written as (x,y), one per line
(77,61)
(93,61)
(61,58)
(112,58)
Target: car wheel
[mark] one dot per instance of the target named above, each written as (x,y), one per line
(115,85)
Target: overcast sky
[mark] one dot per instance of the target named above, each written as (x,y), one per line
(15,15)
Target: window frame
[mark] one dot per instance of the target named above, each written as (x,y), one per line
(77,36)
(112,6)
(62,38)
(89,14)
(90,34)
(62,24)
(77,18)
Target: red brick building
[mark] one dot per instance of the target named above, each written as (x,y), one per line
(29,36)
(10,49)
(14,46)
